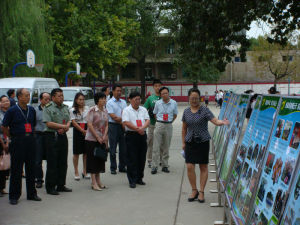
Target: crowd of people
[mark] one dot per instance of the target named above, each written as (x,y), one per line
(141,133)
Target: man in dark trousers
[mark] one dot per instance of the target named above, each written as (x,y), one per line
(115,107)
(18,123)
(57,118)
(136,120)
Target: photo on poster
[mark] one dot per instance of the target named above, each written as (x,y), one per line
(244,172)
(260,156)
(262,220)
(278,204)
(279,128)
(269,163)
(297,189)
(289,217)
(269,199)
(255,153)
(250,151)
(295,139)
(287,129)
(262,190)
(254,181)
(277,170)
(288,170)
(243,151)
(238,167)
(247,179)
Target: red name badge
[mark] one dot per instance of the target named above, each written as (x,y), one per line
(28,128)
(165,117)
(64,121)
(82,125)
(139,123)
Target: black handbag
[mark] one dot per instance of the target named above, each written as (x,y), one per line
(100,152)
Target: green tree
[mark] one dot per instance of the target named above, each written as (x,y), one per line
(22,28)
(280,61)
(92,32)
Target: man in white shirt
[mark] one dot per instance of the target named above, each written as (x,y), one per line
(165,111)
(136,119)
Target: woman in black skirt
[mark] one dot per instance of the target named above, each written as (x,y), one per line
(96,135)
(195,139)
(78,117)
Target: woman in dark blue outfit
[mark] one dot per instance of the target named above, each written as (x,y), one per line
(195,139)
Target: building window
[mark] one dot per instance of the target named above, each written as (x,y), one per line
(285,58)
(170,50)
(128,72)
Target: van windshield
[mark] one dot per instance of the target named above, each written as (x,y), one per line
(69,95)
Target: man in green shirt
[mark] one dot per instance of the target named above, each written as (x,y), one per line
(149,105)
(57,119)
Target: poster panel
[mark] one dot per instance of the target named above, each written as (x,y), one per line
(256,149)
(279,165)
(236,125)
(291,214)
(241,154)
(224,130)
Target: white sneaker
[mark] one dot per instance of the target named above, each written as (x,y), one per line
(77,178)
(88,176)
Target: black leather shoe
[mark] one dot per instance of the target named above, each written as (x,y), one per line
(195,196)
(140,182)
(13,201)
(132,185)
(113,172)
(52,192)
(63,189)
(165,169)
(39,185)
(35,198)
(153,171)
(122,170)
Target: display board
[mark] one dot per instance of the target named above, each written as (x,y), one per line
(224,107)
(279,164)
(291,214)
(224,130)
(236,125)
(241,154)
(255,152)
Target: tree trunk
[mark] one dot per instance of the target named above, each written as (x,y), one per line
(141,74)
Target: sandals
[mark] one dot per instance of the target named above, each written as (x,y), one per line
(103,186)
(96,188)
(201,200)
(195,196)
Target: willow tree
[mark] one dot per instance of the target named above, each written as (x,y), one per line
(22,28)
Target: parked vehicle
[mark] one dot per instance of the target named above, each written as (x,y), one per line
(35,85)
(70,92)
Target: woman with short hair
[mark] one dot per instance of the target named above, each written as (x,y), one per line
(195,141)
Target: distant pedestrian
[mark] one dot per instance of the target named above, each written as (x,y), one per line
(217,98)
(149,105)
(272,90)
(251,106)
(115,107)
(11,95)
(57,118)
(195,141)
(106,91)
(206,99)
(136,120)
(78,114)
(40,140)
(4,142)
(18,123)
(220,101)
(96,135)
(166,112)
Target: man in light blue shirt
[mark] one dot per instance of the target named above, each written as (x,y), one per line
(166,112)
(115,107)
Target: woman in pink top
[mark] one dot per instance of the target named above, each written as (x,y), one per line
(97,122)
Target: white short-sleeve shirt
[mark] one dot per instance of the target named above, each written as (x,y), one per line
(116,107)
(79,118)
(131,115)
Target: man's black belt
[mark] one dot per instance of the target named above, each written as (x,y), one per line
(163,121)
(22,135)
(114,123)
(39,132)
(131,132)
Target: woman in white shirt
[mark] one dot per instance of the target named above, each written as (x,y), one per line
(78,117)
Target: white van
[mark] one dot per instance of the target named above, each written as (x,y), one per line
(70,92)
(35,85)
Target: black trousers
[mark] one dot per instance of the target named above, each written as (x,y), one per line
(57,160)
(116,136)
(3,174)
(136,149)
(40,155)
(22,150)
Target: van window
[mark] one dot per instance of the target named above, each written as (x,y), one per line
(69,95)
(35,96)
(88,94)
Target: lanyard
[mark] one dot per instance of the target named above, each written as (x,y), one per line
(136,112)
(25,117)
(165,109)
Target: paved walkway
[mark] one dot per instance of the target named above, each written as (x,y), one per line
(163,201)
